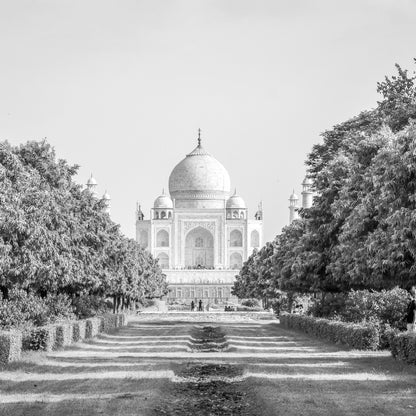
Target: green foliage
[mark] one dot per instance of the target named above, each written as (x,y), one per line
(244,308)
(329,305)
(255,279)
(40,338)
(25,309)
(387,306)
(10,346)
(93,327)
(56,239)
(251,303)
(357,336)
(78,330)
(63,334)
(403,347)
(87,306)
(359,232)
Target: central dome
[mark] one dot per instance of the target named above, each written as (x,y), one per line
(199,177)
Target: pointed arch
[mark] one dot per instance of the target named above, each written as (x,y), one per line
(163,260)
(236,238)
(236,261)
(162,238)
(199,249)
(255,239)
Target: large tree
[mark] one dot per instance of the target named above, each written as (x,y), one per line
(56,237)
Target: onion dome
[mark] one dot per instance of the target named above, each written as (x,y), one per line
(236,201)
(199,177)
(91,181)
(293,197)
(307,181)
(163,201)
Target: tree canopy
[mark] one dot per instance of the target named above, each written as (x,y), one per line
(55,236)
(360,231)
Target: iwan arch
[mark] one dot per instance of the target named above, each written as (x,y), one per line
(200,233)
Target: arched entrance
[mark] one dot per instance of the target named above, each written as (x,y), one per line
(236,261)
(199,249)
(163,260)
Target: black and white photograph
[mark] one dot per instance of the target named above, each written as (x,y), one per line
(207,207)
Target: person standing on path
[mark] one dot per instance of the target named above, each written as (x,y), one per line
(200,306)
(192,306)
(411,311)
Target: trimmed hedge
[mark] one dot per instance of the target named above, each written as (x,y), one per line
(51,337)
(109,322)
(403,347)
(78,330)
(63,335)
(42,338)
(121,319)
(93,327)
(357,336)
(10,346)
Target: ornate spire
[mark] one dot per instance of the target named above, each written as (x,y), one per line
(139,213)
(199,137)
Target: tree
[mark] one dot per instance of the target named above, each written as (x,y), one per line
(56,237)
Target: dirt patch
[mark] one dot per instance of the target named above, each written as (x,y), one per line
(203,372)
(206,388)
(203,399)
(209,339)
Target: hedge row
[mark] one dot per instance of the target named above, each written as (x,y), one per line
(357,336)
(403,347)
(10,346)
(54,336)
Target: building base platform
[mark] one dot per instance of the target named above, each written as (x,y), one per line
(210,286)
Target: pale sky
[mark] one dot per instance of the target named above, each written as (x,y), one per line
(121,87)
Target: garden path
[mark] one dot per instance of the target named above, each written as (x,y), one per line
(178,367)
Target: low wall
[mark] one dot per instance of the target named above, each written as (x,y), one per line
(54,336)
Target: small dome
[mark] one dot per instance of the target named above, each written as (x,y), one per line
(293,197)
(236,202)
(163,201)
(307,181)
(106,196)
(91,181)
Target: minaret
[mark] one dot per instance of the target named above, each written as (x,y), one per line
(293,205)
(106,199)
(259,214)
(139,213)
(307,194)
(92,185)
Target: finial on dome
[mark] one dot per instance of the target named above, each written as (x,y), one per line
(199,137)
(163,191)
(235,191)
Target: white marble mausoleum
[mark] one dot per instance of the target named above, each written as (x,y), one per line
(200,233)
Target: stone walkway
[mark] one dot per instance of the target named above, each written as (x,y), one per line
(246,367)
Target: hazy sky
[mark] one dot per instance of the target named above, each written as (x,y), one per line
(121,87)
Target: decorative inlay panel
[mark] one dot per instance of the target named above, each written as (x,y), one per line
(208,225)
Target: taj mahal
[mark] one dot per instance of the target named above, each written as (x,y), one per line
(199,231)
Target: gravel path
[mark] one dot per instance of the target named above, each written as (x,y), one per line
(223,368)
